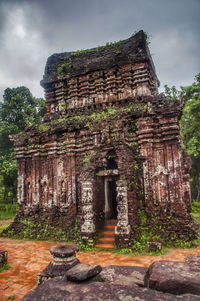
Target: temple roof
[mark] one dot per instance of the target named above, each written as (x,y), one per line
(67,64)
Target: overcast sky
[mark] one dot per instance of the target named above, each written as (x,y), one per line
(32,30)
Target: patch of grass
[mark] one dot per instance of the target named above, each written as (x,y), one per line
(8,211)
(196,215)
(196,209)
(85,247)
(5,267)
(140,251)
(3,227)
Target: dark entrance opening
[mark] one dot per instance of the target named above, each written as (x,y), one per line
(110,199)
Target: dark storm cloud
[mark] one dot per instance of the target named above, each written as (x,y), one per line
(31,30)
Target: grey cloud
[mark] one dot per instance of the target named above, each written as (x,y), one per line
(63,25)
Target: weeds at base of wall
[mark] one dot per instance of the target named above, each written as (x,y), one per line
(134,252)
(86,247)
(43,231)
(158,232)
(146,234)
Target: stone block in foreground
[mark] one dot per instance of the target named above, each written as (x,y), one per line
(82,272)
(175,277)
(3,257)
(59,289)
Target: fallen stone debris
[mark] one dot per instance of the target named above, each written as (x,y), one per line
(163,280)
(3,257)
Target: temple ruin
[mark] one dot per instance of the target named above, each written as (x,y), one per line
(109,148)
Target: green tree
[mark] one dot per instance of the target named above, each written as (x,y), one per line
(190,127)
(18,110)
(172,93)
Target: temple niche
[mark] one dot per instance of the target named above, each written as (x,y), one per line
(109,148)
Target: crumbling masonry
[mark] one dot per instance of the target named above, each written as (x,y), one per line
(109,148)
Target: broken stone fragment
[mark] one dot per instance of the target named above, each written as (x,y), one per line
(64,258)
(3,257)
(154,246)
(125,275)
(81,272)
(174,277)
(194,263)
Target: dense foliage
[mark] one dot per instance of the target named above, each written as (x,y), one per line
(18,110)
(190,128)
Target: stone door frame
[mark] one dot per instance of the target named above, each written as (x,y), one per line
(122,228)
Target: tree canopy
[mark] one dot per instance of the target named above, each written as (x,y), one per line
(190,127)
(18,110)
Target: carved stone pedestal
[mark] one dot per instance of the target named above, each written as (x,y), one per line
(88,227)
(64,258)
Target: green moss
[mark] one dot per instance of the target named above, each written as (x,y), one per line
(143,217)
(133,127)
(45,231)
(87,159)
(43,128)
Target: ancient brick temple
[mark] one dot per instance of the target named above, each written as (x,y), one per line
(109,147)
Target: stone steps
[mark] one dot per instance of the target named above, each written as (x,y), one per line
(107,239)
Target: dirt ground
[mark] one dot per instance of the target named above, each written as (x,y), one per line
(28,258)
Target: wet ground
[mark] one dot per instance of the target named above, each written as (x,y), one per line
(27,258)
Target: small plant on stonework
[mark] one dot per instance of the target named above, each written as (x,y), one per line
(87,159)
(133,126)
(62,70)
(44,128)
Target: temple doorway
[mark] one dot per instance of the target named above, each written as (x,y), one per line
(110,198)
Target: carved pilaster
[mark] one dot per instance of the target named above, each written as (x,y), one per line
(123,226)
(88,226)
